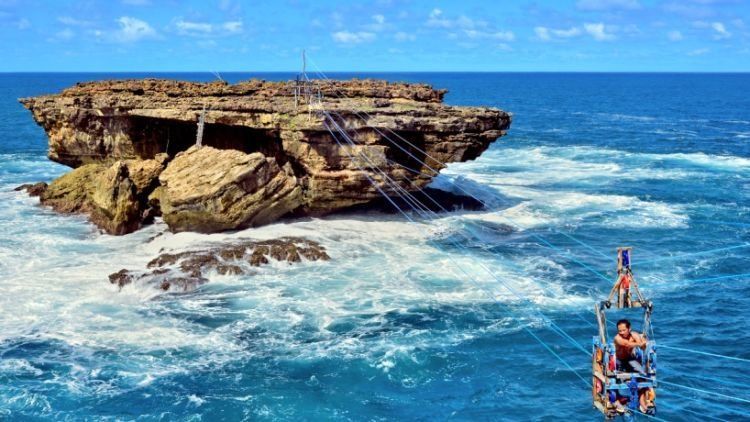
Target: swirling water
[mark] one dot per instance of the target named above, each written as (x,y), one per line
(400,323)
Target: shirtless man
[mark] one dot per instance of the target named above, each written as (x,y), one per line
(626,343)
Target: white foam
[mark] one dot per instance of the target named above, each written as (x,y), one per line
(54,274)
(626,117)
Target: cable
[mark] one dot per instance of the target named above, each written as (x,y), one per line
(670,258)
(498,280)
(489,294)
(706,392)
(424,209)
(705,353)
(562,332)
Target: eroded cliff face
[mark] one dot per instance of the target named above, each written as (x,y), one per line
(266,153)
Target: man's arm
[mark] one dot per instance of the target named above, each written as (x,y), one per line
(619,341)
(639,340)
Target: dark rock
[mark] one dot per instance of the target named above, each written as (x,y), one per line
(33,189)
(121,278)
(185,271)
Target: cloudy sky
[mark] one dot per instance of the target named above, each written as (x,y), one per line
(380,35)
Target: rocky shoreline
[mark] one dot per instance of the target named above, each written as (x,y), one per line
(264,156)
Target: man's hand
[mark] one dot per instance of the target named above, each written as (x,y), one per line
(641,341)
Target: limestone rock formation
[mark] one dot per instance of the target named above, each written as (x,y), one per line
(269,150)
(208,190)
(114,196)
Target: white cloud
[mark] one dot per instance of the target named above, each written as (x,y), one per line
(598,31)
(346,37)
(404,36)
(203,29)
(608,4)
(567,33)
(721,31)
(464,27)
(233,27)
(548,34)
(499,35)
(436,20)
(132,29)
(377,25)
(542,33)
(698,52)
(504,47)
(675,35)
(67,20)
(192,28)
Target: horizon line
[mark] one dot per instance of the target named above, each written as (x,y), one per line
(383,71)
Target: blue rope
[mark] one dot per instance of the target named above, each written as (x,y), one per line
(685,409)
(736,384)
(421,206)
(546,242)
(552,246)
(489,294)
(698,390)
(597,251)
(705,353)
(556,328)
(671,258)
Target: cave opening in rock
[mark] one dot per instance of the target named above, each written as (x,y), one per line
(154,136)
(411,156)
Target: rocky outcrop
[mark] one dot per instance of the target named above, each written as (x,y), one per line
(33,189)
(114,196)
(208,190)
(184,271)
(269,149)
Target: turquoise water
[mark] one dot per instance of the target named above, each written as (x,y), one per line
(399,324)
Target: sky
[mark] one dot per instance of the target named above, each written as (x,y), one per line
(376,35)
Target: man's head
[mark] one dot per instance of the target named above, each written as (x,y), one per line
(623,328)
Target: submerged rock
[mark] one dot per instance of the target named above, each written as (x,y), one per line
(266,154)
(184,271)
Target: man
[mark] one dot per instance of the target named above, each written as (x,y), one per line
(627,344)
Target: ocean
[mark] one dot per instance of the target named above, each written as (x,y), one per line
(439,319)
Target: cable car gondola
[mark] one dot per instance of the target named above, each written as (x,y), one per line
(624,386)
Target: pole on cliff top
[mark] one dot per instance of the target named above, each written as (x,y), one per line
(201,124)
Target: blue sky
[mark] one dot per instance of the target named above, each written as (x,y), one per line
(378,35)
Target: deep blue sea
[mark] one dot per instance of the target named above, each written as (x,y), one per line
(431,320)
